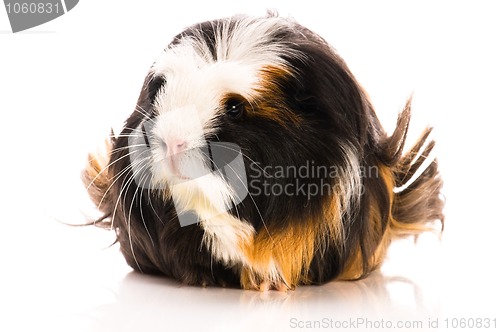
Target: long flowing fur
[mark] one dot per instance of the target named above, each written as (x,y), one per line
(303,105)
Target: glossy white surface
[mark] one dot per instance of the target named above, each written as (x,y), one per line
(62,85)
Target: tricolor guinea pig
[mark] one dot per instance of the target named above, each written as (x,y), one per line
(254,159)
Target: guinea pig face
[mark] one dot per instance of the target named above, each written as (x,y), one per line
(254,158)
(249,87)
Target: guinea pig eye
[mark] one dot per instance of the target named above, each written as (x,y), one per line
(235,107)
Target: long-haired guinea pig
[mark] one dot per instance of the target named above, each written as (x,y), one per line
(254,159)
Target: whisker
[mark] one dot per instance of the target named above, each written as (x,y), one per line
(116,178)
(109,164)
(143,179)
(247,157)
(153,208)
(143,112)
(252,199)
(123,194)
(125,172)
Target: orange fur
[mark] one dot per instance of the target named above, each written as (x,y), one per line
(290,251)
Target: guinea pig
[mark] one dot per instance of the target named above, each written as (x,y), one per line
(254,159)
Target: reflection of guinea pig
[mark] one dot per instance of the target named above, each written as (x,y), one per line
(254,158)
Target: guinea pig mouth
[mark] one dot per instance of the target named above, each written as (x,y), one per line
(176,169)
(188,165)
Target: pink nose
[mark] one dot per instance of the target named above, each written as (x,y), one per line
(175,146)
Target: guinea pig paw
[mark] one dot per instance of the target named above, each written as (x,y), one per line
(279,286)
(282,287)
(264,286)
(253,281)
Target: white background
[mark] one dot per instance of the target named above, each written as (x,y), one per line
(65,83)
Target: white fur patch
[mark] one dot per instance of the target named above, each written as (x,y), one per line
(225,237)
(350,189)
(350,181)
